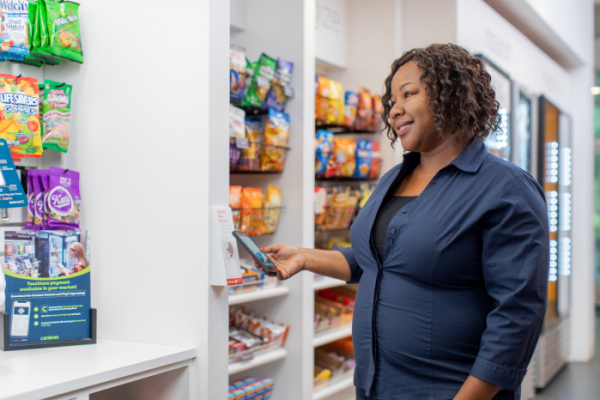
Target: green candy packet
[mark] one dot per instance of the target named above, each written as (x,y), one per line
(260,83)
(57,116)
(62,24)
(40,36)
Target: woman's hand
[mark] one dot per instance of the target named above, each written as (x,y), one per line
(288,259)
(63,269)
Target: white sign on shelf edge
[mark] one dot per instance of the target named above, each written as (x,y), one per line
(225,258)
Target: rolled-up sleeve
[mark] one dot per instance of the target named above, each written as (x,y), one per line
(355,270)
(515,253)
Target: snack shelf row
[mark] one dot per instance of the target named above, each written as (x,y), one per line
(265,358)
(259,294)
(332,335)
(324,282)
(334,387)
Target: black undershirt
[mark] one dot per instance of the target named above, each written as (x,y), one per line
(390,206)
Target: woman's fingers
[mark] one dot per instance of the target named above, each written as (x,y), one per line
(274,248)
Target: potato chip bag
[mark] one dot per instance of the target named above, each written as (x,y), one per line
(344,151)
(364,114)
(324,141)
(375,160)
(264,72)
(64,200)
(237,122)
(322,98)
(57,116)
(19,116)
(350,107)
(336,101)
(363,158)
(255,132)
(377,113)
(277,97)
(62,24)
(235,193)
(237,74)
(277,131)
(15,28)
(251,212)
(271,210)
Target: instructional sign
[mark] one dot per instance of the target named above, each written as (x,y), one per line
(47,285)
(12,194)
(225,259)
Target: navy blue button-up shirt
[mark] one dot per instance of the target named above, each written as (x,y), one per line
(462,289)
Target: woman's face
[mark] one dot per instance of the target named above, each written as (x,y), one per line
(410,115)
(74,254)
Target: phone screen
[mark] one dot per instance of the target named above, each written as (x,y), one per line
(254,248)
(20,318)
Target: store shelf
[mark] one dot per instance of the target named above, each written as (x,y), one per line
(327,283)
(331,335)
(324,393)
(258,295)
(60,370)
(262,359)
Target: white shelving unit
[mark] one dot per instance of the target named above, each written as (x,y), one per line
(262,359)
(258,295)
(327,283)
(332,335)
(92,370)
(334,388)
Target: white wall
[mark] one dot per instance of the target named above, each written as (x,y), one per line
(331,26)
(145,106)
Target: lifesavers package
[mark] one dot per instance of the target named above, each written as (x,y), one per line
(20,116)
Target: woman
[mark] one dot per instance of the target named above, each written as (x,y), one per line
(451,250)
(77,251)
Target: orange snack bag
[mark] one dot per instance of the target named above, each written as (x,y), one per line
(375,161)
(345,155)
(235,193)
(251,212)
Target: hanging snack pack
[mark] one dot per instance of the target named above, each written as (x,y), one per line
(237,74)
(323,88)
(251,212)
(350,108)
(345,155)
(364,114)
(272,206)
(375,160)
(280,87)
(45,185)
(57,116)
(377,113)
(64,200)
(237,118)
(277,133)
(336,103)
(38,195)
(264,72)
(324,145)
(62,24)
(15,28)
(19,116)
(30,201)
(363,158)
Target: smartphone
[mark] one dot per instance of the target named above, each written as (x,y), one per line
(261,258)
(20,318)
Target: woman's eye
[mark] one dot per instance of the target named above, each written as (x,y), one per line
(407,94)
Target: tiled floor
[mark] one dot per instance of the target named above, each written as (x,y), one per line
(577,381)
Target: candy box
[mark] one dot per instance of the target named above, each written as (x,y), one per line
(19,116)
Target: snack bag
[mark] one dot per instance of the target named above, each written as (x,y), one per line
(19,116)
(237,118)
(377,112)
(255,132)
(260,83)
(250,66)
(45,182)
(38,195)
(375,160)
(64,200)
(272,206)
(276,137)
(62,24)
(277,96)
(235,193)
(364,115)
(15,28)
(363,158)
(322,151)
(336,102)
(57,115)
(345,151)
(322,98)
(237,74)
(251,212)
(350,107)
(30,201)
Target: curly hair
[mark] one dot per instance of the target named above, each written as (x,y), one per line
(458,87)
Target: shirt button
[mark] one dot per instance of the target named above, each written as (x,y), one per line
(393,230)
(403,211)
(391,241)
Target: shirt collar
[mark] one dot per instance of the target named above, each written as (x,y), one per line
(469,160)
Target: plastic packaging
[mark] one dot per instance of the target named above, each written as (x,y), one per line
(64,200)
(62,24)
(57,116)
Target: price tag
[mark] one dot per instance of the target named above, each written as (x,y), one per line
(241,143)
